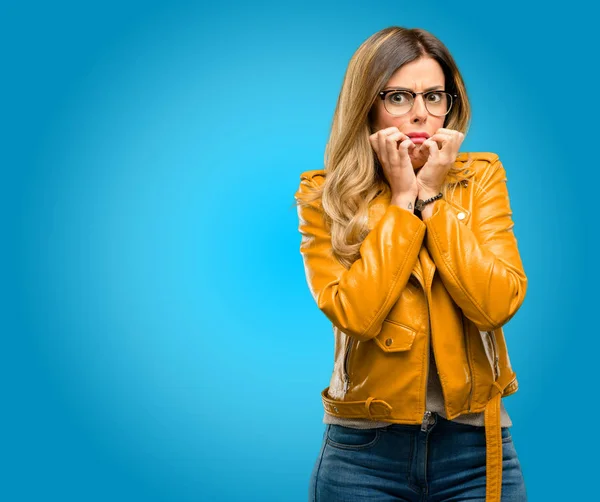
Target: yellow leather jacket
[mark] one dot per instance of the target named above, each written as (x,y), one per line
(453,279)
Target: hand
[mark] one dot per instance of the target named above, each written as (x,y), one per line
(392,148)
(431,176)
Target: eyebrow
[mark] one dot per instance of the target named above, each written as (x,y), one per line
(407,89)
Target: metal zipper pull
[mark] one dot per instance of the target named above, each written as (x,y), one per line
(427,420)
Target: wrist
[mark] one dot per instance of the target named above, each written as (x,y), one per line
(405,201)
(425,200)
(426,193)
(427,212)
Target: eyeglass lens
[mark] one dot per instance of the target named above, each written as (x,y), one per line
(400,102)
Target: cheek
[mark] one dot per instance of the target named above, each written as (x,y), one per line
(384,120)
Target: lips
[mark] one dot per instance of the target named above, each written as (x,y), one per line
(418,137)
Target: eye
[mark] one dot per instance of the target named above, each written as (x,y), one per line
(434,97)
(399,98)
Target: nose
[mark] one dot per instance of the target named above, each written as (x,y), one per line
(418,111)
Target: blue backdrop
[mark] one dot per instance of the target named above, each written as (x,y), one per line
(159,339)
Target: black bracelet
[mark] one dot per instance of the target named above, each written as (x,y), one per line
(421,203)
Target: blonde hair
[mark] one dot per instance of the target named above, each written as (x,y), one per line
(353,174)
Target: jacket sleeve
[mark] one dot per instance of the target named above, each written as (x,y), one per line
(358,299)
(480,266)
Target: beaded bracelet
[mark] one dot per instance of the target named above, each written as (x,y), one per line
(421,203)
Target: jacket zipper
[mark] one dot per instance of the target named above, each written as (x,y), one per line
(468,345)
(346,369)
(496,365)
(427,414)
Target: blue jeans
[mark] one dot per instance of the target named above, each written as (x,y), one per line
(404,463)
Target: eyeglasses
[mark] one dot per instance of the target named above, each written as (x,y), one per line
(397,102)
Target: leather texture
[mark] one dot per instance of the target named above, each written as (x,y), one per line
(453,280)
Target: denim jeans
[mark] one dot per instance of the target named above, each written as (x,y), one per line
(401,462)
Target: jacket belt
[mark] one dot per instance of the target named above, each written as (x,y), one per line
(493,447)
(374,409)
(370,408)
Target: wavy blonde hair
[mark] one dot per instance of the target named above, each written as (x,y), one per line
(354,176)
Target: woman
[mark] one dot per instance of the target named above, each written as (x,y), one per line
(409,250)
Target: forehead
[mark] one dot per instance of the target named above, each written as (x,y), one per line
(418,75)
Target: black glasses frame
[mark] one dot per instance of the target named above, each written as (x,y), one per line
(453,97)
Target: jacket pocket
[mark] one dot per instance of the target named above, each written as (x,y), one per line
(395,337)
(491,351)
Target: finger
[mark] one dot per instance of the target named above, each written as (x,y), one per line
(391,144)
(432,148)
(374,139)
(431,144)
(382,149)
(394,130)
(374,143)
(406,146)
(450,147)
(442,139)
(383,139)
(446,130)
(456,136)
(389,130)
(404,136)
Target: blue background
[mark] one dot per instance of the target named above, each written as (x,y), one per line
(159,341)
